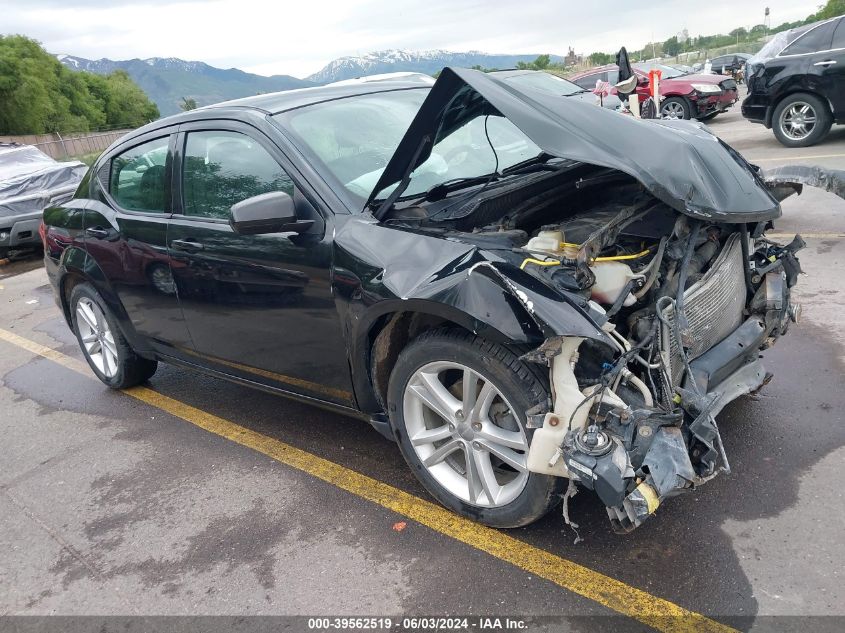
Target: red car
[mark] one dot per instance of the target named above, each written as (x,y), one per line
(683,96)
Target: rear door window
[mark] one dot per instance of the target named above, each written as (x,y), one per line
(138,177)
(816,40)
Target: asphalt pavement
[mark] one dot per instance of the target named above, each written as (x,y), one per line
(197,496)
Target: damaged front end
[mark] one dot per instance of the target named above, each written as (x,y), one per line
(633,418)
(660,254)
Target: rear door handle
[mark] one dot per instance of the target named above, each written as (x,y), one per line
(826,62)
(189,245)
(98,232)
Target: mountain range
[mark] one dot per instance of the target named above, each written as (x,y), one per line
(166,80)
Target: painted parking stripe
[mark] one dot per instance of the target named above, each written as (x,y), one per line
(810,236)
(609,592)
(793,158)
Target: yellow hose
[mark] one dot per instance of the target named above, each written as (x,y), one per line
(617,258)
(554,262)
(539,262)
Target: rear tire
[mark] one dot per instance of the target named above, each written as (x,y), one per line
(104,346)
(472,462)
(801,120)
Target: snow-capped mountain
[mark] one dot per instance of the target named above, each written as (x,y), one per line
(428,62)
(166,80)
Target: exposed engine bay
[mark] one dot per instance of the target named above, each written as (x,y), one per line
(685,306)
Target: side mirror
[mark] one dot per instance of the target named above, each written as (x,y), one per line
(272,212)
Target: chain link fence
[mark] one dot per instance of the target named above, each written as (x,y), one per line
(68,146)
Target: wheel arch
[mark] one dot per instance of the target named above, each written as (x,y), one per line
(389,329)
(77,267)
(791,91)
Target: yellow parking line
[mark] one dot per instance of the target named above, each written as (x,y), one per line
(813,236)
(609,592)
(791,158)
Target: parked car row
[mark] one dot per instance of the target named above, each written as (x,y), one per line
(683,96)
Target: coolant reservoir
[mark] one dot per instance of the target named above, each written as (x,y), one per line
(545,243)
(611,279)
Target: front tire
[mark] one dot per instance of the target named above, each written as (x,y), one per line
(103,344)
(801,120)
(675,108)
(457,407)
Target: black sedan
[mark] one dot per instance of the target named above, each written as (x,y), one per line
(524,291)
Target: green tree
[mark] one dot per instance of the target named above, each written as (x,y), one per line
(38,94)
(541,63)
(671,46)
(830,10)
(600,59)
(188,103)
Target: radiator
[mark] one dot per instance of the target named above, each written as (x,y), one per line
(714,308)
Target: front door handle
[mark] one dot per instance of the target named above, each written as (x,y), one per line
(826,62)
(188,245)
(97,231)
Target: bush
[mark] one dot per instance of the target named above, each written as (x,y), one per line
(39,95)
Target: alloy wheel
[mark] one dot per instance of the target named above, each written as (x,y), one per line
(673,110)
(466,434)
(96,336)
(798,120)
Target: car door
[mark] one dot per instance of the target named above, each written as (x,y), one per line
(826,69)
(125,229)
(259,307)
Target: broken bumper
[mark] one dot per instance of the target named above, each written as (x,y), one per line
(634,457)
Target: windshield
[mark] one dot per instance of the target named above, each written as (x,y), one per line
(545,82)
(667,72)
(353,139)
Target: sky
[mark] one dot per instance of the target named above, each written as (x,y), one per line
(298,38)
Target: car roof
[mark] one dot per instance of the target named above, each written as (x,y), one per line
(273,103)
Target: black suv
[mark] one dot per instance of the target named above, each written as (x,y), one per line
(796,83)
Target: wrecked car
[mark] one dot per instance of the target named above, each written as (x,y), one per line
(30,181)
(500,280)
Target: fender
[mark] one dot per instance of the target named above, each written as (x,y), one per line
(76,262)
(789,179)
(447,279)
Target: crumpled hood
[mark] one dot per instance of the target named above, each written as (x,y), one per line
(679,162)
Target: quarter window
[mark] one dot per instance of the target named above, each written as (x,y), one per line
(839,35)
(223,168)
(816,40)
(137,179)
